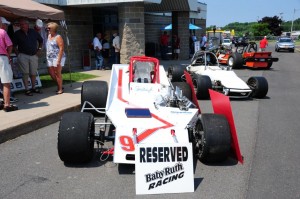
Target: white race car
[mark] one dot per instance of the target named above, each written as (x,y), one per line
(141,106)
(207,74)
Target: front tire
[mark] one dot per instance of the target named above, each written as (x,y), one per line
(259,86)
(212,138)
(76,137)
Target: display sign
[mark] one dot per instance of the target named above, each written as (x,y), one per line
(164,168)
(197,46)
(18,84)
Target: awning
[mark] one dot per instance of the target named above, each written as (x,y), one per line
(173,5)
(30,9)
(191,27)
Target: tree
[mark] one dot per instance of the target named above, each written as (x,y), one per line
(273,25)
(260,29)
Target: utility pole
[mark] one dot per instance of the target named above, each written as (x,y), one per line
(293,20)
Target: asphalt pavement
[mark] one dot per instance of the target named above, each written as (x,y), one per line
(46,108)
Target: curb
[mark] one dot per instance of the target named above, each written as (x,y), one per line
(25,128)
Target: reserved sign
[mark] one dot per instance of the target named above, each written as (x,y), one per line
(164,168)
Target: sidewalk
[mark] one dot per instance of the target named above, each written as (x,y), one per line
(43,109)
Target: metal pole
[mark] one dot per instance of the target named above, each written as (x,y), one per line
(293,21)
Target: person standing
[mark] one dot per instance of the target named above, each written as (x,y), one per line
(203,42)
(116,45)
(263,44)
(27,46)
(97,50)
(164,41)
(6,74)
(55,55)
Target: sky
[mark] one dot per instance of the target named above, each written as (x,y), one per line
(221,13)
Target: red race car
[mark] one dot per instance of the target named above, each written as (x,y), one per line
(245,55)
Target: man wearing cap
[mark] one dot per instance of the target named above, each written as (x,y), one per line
(28,45)
(6,74)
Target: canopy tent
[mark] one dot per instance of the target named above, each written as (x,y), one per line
(30,9)
(191,27)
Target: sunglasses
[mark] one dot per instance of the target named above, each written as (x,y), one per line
(48,28)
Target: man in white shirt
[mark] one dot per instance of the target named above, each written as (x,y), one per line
(98,54)
(116,45)
(203,42)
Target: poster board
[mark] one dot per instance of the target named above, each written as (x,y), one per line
(164,168)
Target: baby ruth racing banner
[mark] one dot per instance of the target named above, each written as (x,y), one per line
(164,168)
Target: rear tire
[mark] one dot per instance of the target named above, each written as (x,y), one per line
(269,65)
(175,73)
(259,86)
(235,60)
(76,137)
(212,138)
(185,87)
(202,84)
(96,93)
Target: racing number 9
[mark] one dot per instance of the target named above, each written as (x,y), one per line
(126,143)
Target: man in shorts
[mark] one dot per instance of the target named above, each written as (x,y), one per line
(28,45)
(6,74)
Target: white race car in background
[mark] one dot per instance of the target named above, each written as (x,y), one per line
(207,74)
(141,106)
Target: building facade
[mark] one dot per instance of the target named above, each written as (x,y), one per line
(138,22)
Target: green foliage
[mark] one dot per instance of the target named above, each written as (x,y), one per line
(75,77)
(275,26)
(260,29)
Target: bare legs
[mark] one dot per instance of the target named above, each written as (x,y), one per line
(6,94)
(55,74)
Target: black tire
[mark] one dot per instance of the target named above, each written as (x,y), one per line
(96,93)
(235,60)
(76,137)
(269,65)
(259,86)
(212,138)
(175,73)
(202,84)
(185,87)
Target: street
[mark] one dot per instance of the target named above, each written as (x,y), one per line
(268,137)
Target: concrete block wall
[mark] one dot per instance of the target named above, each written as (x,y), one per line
(183,34)
(132,30)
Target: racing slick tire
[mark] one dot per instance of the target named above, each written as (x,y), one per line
(175,73)
(259,86)
(96,93)
(212,138)
(202,84)
(235,60)
(185,87)
(269,65)
(75,141)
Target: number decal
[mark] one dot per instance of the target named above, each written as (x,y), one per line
(126,143)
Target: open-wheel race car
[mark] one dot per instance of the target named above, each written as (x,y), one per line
(139,106)
(245,55)
(207,73)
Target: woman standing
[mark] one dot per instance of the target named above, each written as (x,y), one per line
(55,55)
